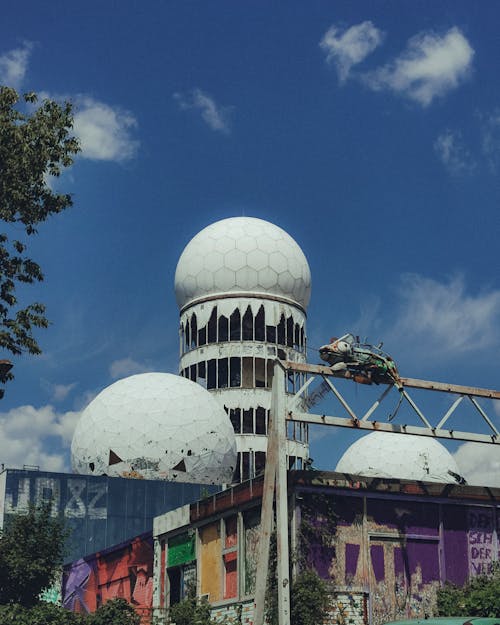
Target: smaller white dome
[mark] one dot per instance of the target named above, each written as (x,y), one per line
(242,255)
(155,426)
(384,454)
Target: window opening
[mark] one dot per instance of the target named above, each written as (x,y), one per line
(194,331)
(235,416)
(270,334)
(235,326)
(248,325)
(235,372)
(260,373)
(260,462)
(281,331)
(222,378)
(202,336)
(188,335)
(296,337)
(247,377)
(211,373)
(212,327)
(223,328)
(174,584)
(248,421)
(260,327)
(245,465)
(289,331)
(192,375)
(260,420)
(270,373)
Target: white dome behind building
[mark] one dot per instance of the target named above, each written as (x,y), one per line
(242,255)
(155,426)
(383,454)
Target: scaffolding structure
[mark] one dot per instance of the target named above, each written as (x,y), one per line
(289,407)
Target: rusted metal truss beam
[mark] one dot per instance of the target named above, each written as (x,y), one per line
(297,405)
(405,382)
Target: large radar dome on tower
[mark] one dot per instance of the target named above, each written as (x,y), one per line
(242,255)
(408,457)
(155,426)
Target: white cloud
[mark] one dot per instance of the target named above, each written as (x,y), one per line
(450,148)
(127,366)
(444,319)
(13,66)
(105,132)
(27,437)
(57,392)
(215,116)
(479,463)
(350,47)
(430,66)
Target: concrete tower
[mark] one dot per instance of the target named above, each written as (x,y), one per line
(242,286)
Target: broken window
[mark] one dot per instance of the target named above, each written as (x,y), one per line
(235,416)
(222,373)
(289,331)
(248,421)
(212,327)
(260,420)
(248,325)
(211,373)
(235,326)
(201,379)
(245,465)
(281,331)
(194,331)
(296,337)
(223,328)
(270,334)
(260,462)
(235,372)
(202,336)
(192,374)
(260,327)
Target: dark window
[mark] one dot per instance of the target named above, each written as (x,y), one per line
(246,465)
(289,332)
(270,334)
(211,369)
(222,373)
(194,331)
(223,328)
(188,335)
(248,421)
(202,336)
(260,373)
(270,372)
(260,462)
(235,416)
(281,331)
(260,420)
(260,327)
(235,326)
(248,325)
(296,337)
(193,373)
(235,372)
(212,327)
(302,343)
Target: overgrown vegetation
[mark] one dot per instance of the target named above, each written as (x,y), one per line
(190,611)
(32,549)
(309,593)
(479,597)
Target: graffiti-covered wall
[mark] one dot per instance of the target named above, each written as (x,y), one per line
(400,550)
(125,571)
(100,511)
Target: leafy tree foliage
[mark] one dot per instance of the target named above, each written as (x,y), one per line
(33,145)
(190,611)
(479,597)
(114,612)
(31,551)
(309,598)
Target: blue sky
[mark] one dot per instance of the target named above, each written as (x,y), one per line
(369,131)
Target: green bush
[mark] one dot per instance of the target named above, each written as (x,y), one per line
(479,597)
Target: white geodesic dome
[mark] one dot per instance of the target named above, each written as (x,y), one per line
(245,255)
(155,426)
(383,454)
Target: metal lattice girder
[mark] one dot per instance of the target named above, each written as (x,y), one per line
(297,404)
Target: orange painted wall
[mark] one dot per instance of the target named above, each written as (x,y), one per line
(210,562)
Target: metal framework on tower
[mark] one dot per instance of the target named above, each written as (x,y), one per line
(289,407)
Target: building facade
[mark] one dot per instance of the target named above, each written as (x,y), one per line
(243,286)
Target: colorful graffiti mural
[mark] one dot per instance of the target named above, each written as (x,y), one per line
(126,571)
